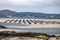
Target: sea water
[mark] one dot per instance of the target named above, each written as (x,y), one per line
(43,30)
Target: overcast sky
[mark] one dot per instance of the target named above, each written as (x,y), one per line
(45,6)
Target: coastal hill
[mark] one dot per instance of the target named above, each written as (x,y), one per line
(10,14)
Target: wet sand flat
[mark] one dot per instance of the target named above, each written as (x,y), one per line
(30,23)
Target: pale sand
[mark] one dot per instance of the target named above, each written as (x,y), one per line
(19,38)
(34,25)
(27,38)
(37,26)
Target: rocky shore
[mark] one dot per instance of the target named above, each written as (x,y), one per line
(20,35)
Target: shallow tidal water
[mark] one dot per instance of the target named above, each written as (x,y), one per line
(43,30)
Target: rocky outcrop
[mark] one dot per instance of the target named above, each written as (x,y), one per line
(2,27)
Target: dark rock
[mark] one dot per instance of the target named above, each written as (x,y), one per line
(2,27)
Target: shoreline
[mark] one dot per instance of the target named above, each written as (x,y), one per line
(26,30)
(23,35)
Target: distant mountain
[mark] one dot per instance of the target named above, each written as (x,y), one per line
(6,13)
(10,14)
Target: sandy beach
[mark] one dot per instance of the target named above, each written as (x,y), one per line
(30,23)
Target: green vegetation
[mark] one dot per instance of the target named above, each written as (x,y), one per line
(25,34)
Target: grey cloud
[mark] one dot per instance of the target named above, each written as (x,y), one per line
(36,6)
